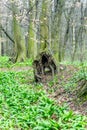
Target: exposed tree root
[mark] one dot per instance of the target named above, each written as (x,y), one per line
(44,66)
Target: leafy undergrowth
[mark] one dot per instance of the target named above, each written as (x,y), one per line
(75,63)
(5,63)
(27,107)
(78,85)
(28,62)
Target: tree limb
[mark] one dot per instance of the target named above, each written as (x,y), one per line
(6,34)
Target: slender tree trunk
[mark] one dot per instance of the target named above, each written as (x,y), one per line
(37,23)
(43,27)
(56,45)
(32,44)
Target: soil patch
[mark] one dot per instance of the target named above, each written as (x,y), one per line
(61,96)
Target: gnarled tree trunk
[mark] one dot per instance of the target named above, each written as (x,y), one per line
(44,67)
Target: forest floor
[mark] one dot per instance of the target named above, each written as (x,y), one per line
(51,105)
(57,90)
(67,95)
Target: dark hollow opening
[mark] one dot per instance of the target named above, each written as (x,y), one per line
(44,60)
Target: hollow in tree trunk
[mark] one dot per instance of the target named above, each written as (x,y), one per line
(44,66)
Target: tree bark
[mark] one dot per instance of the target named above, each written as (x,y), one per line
(20,49)
(44,66)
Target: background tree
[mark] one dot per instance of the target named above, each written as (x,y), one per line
(56,25)
(18,36)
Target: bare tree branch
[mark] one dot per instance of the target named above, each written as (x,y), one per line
(7,34)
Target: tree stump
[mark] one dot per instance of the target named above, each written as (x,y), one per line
(44,66)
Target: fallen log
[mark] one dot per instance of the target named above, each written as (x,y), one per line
(82,91)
